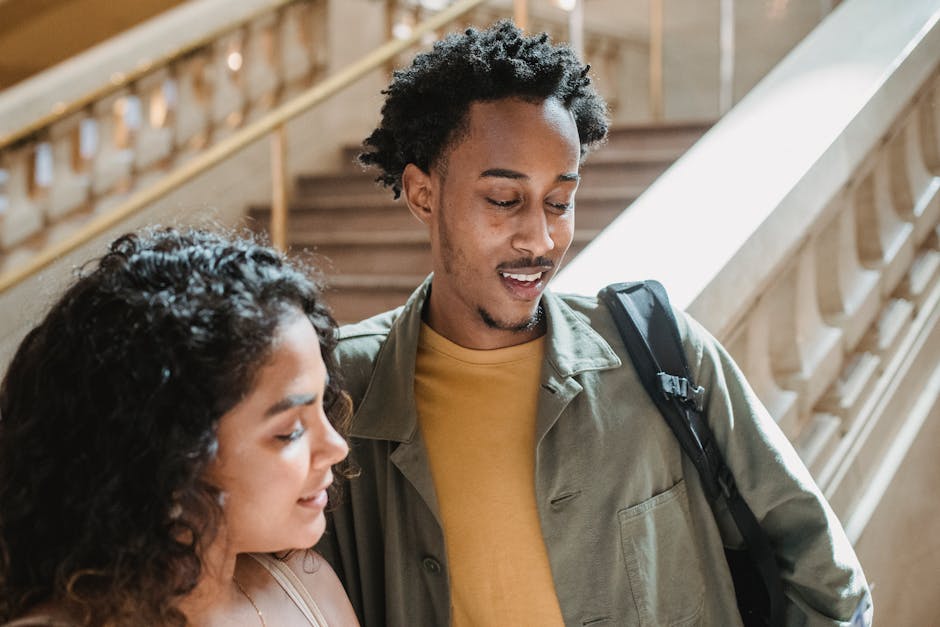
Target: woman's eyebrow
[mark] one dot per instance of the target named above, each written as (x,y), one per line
(288,402)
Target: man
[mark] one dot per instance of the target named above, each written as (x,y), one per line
(512,469)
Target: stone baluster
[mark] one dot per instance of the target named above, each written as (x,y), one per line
(921,140)
(816,346)
(929,113)
(25,204)
(749,345)
(849,299)
(154,147)
(299,42)
(913,188)
(318,16)
(885,239)
(71,179)
(262,65)
(118,118)
(194,95)
(848,291)
(228,98)
(887,243)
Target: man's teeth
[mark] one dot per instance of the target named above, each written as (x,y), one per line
(523,277)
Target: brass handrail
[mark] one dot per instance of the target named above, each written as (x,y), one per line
(123,80)
(234,143)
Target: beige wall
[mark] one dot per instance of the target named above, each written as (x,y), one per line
(36,34)
(900,548)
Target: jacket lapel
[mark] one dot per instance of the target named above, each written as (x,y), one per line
(573,347)
(387,410)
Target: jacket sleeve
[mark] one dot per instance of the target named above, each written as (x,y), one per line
(823,580)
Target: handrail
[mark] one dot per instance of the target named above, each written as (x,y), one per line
(123,80)
(234,143)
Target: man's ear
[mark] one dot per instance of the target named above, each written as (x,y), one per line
(416,188)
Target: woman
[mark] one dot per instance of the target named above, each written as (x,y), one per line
(165,446)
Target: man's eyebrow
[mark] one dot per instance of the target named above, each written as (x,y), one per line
(571,177)
(288,402)
(502,173)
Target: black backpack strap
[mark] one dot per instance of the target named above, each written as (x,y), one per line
(648,327)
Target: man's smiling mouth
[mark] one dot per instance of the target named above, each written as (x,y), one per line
(525,278)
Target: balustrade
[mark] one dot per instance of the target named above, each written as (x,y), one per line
(130,137)
(835,328)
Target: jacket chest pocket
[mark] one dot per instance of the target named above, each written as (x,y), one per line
(662,562)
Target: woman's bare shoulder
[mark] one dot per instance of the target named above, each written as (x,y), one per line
(324,586)
(44,615)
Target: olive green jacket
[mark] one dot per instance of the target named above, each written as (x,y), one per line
(630,535)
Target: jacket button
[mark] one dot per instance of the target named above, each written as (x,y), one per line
(431,565)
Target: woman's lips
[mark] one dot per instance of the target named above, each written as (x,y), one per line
(314,501)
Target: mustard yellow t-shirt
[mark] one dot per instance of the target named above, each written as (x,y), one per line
(476,410)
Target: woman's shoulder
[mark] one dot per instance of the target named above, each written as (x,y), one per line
(321,582)
(45,615)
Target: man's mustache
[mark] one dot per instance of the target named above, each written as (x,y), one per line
(538,262)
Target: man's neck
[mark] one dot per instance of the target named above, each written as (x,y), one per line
(474,333)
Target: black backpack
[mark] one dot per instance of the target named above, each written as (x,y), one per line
(647,325)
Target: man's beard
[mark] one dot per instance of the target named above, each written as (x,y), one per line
(523,326)
(451,260)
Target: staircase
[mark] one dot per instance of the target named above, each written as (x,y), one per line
(374,252)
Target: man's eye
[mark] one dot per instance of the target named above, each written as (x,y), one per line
(502,203)
(561,206)
(293,435)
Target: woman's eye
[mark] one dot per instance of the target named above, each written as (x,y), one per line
(293,435)
(561,206)
(502,203)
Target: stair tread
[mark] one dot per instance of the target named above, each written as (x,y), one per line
(632,156)
(353,222)
(396,281)
(662,126)
(347,238)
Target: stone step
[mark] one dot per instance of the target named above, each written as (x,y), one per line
(355,297)
(596,208)
(617,174)
(615,166)
(345,182)
(664,136)
(385,253)
(633,142)
(374,252)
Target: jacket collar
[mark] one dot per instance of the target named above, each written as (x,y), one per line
(387,410)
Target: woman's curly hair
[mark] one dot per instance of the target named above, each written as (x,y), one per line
(426,104)
(108,416)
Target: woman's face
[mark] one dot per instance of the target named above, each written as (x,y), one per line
(276,448)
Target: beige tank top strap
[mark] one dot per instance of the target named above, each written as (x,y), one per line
(295,589)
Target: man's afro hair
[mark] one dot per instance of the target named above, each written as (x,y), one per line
(426,104)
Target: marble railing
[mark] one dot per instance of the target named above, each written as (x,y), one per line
(76,140)
(804,232)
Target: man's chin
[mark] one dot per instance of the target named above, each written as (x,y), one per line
(523,325)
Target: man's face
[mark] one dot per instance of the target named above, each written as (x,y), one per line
(501,217)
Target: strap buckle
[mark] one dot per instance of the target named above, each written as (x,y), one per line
(726,481)
(682,390)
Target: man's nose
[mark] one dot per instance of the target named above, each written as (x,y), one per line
(533,234)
